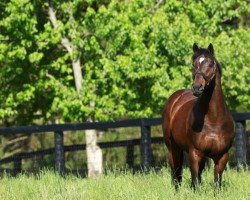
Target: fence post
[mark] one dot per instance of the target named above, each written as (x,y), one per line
(240,142)
(59,152)
(130,156)
(145,147)
(17,164)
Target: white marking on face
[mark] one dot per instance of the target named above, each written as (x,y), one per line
(201,59)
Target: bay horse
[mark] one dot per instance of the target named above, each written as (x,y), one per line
(198,121)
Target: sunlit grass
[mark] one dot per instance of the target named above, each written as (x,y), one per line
(123,185)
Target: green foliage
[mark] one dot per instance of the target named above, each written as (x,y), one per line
(132,58)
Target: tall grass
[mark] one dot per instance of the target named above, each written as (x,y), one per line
(123,185)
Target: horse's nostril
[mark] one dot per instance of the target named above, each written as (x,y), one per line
(201,89)
(197,86)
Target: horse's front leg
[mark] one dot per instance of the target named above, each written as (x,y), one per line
(219,166)
(195,160)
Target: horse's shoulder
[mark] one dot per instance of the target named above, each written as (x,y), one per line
(182,96)
(178,99)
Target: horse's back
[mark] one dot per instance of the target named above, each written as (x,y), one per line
(176,109)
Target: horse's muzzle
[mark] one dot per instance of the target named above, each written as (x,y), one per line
(197,89)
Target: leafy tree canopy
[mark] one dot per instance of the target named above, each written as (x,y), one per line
(134,55)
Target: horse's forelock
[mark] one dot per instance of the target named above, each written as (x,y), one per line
(200,52)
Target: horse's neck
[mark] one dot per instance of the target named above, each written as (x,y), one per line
(212,102)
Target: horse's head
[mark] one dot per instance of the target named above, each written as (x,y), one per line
(204,68)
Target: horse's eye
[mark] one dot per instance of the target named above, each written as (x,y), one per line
(208,64)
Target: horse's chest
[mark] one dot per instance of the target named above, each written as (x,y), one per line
(210,141)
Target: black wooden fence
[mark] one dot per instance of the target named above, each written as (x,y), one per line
(145,141)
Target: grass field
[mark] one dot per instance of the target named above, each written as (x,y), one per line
(122,185)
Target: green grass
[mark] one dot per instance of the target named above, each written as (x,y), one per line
(122,185)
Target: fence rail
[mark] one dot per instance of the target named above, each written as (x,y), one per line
(145,141)
(81,126)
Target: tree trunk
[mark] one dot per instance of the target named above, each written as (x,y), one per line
(94,153)
(77,74)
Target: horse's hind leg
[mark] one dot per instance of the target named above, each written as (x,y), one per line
(175,158)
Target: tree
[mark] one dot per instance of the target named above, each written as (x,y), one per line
(132,56)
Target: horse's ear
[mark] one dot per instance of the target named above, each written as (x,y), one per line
(195,47)
(210,48)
